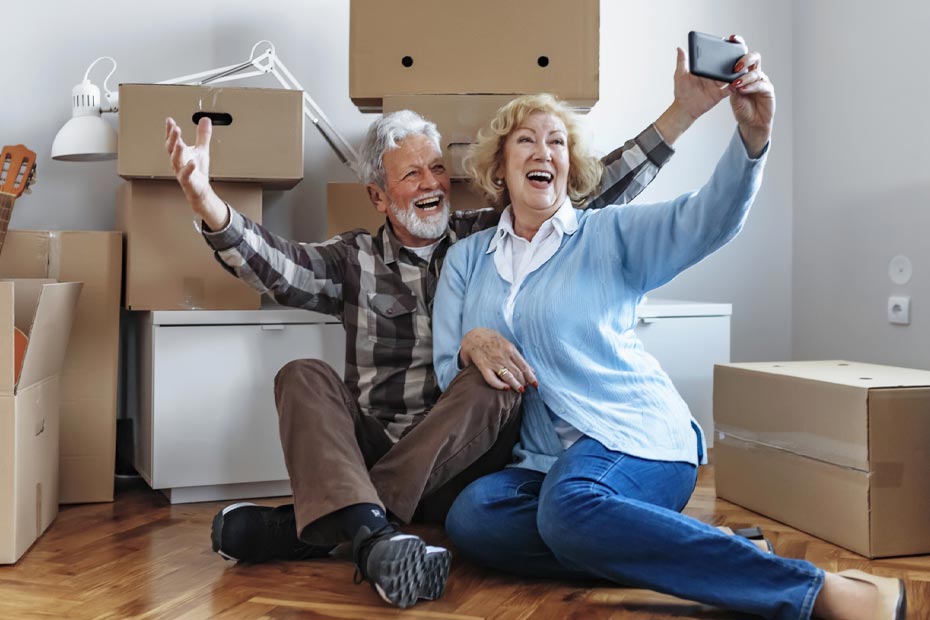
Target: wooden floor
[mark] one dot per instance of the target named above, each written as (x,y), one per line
(142,558)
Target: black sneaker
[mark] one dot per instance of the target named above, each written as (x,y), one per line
(400,567)
(246,532)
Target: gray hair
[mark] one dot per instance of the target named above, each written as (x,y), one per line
(384,135)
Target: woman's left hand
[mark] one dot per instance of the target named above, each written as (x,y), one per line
(752,97)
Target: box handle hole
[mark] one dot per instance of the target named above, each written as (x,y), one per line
(217,118)
(543,61)
(407,61)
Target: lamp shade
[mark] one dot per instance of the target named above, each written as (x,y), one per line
(86,137)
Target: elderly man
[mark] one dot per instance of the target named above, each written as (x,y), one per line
(383,440)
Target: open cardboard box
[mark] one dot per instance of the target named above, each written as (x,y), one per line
(837,449)
(29,408)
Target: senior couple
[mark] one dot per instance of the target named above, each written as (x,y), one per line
(509,396)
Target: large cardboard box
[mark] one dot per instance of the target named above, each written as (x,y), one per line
(29,414)
(169,266)
(90,372)
(477,52)
(348,206)
(837,449)
(258,133)
(458,118)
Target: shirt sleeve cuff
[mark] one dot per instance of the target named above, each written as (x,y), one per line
(654,146)
(228,237)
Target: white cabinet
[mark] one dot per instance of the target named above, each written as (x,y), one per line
(205,420)
(688,338)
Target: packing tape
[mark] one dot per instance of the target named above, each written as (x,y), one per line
(888,475)
(827,449)
(192,293)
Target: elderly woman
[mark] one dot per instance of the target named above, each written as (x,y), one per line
(608,451)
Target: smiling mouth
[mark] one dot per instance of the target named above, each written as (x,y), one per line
(429,203)
(539,178)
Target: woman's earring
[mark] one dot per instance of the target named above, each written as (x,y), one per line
(499,182)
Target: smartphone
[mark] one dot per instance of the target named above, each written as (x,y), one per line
(713,57)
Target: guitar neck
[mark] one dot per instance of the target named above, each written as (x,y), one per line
(6,210)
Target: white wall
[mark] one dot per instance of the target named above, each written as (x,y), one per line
(637,61)
(862,179)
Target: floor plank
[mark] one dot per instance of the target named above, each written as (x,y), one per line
(141,558)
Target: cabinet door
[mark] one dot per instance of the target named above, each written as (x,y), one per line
(214,419)
(687,349)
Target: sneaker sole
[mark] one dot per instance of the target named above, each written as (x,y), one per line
(216,530)
(433,585)
(418,572)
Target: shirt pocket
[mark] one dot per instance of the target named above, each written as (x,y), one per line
(392,319)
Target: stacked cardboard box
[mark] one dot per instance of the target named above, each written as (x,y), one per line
(257,142)
(836,449)
(29,408)
(90,370)
(459,80)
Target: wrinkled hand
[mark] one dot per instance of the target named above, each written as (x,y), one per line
(191,165)
(752,98)
(490,352)
(696,95)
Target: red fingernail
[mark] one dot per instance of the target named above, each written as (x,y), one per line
(738,68)
(506,387)
(536,384)
(521,389)
(737,82)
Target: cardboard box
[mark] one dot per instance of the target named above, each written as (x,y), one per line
(348,206)
(836,449)
(557,50)
(169,266)
(258,133)
(29,408)
(90,372)
(458,117)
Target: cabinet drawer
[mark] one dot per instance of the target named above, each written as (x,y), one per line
(213,418)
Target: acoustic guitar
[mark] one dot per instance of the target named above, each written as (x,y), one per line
(17,173)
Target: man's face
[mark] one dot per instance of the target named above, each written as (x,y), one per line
(417,191)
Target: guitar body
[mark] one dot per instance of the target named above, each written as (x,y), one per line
(20,342)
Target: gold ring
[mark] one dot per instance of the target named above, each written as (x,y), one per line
(503,372)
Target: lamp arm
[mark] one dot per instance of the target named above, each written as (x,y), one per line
(268,62)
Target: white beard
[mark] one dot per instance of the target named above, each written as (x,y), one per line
(433,226)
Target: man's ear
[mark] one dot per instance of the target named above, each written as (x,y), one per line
(378,197)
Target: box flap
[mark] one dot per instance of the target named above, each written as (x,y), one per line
(843,372)
(50,328)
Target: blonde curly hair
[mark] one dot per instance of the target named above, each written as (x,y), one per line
(484,161)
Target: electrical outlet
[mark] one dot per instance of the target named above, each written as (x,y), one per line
(899,310)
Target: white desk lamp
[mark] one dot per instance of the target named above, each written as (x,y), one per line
(80,139)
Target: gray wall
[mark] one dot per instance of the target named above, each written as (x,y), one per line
(845,188)
(861,170)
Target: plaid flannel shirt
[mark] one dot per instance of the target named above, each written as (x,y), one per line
(383,293)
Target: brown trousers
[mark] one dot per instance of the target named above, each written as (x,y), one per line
(336,456)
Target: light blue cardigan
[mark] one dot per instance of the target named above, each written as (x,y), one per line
(574,316)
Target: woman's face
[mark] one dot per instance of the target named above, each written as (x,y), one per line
(536,165)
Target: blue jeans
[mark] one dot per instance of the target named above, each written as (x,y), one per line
(600,513)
